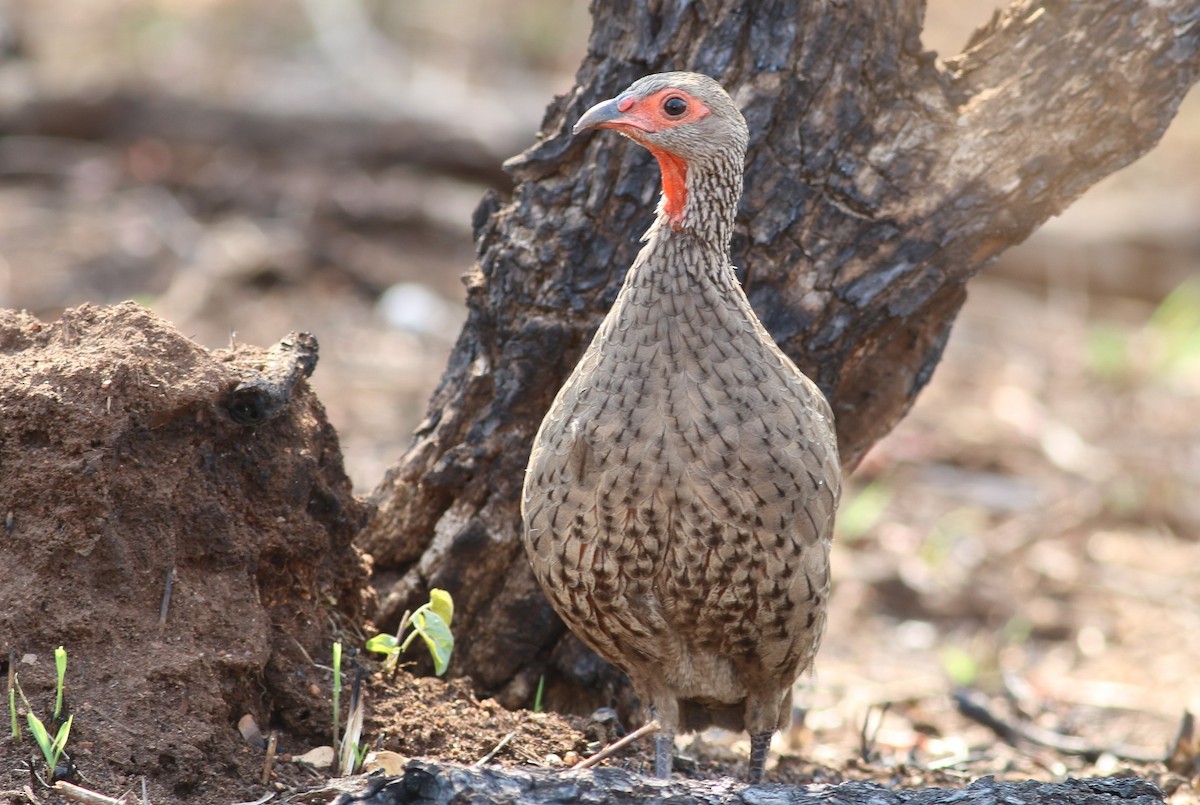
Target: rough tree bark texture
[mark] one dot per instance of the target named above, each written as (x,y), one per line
(878,182)
(432,783)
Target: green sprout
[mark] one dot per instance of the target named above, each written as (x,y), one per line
(60,665)
(537,697)
(337,688)
(430,621)
(52,748)
(360,754)
(12,708)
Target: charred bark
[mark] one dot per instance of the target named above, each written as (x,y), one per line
(879,180)
(429,782)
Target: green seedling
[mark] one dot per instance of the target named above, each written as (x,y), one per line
(431,622)
(12,696)
(360,755)
(52,748)
(537,697)
(60,665)
(12,708)
(337,688)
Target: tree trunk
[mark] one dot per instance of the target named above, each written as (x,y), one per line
(878,181)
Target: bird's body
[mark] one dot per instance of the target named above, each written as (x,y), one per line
(680,495)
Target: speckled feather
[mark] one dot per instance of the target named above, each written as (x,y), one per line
(680,494)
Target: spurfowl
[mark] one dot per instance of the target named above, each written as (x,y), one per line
(680,496)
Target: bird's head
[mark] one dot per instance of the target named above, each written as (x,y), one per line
(691,125)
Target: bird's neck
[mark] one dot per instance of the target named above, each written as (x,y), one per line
(700,199)
(675,263)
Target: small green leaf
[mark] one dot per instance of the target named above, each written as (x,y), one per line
(436,634)
(60,663)
(441,603)
(42,737)
(383,644)
(60,742)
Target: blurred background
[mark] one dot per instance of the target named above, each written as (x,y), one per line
(250,168)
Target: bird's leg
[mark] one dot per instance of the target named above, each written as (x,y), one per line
(760,742)
(664,710)
(664,753)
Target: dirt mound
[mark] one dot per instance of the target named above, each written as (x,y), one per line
(123,475)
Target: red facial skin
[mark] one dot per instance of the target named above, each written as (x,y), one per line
(646,115)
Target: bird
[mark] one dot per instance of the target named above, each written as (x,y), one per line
(679,498)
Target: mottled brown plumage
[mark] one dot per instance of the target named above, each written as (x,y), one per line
(680,495)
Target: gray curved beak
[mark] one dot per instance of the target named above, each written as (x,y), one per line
(601,116)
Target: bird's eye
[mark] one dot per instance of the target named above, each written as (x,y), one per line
(675,106)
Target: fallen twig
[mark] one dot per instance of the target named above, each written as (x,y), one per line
(503,743)
(269,762)
(307,657)
(1021,695)
(74,792)
(618,745)
(868,736)
(973,706)
(964,759)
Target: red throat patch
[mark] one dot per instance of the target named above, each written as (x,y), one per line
(674,184)
(639,118)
